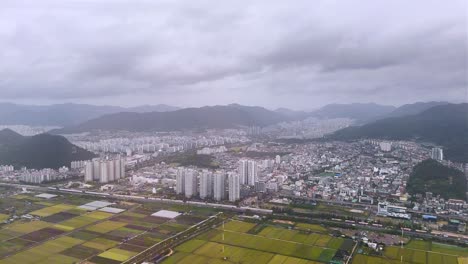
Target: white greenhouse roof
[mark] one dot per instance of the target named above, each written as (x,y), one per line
(166,214)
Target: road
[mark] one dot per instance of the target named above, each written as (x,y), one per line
(359,227)
(142,199)
(370,206)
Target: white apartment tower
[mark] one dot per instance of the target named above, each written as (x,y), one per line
(111,168)
(278,159)
(219,186)
(243,171)
(180,181)
(118,169)
(96,170)
(252,173)
(123,163)
(89,170)
(191,183)
(385,146)
(104,172)
(234,187)
(437,154)
(206,185)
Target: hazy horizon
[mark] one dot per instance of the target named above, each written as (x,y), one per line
(211,105)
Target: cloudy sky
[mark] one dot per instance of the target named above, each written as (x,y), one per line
(297,54)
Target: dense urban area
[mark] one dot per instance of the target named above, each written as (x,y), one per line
(354,201)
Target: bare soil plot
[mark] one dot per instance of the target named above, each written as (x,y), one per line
(42,234)
(59,217)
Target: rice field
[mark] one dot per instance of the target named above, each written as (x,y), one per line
(270,246)
(68,234)
(50,210)
(418,252)
(311,227)
(117,254)
(238,226)
(3,217)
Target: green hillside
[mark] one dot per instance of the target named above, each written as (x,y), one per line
(431,176)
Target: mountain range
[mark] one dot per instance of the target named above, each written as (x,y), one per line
(444,124)
(235,115)
(69,115)
(40,151)
(437,122)
(408,109)
(208,117)
(65,114)
(359,112)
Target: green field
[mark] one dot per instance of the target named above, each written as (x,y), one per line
(418,252)
(117,254)
(3,217)
(238,226)
(53,210)
(272,245)
(27,227)
(67,234)
(106,226)
(311,227)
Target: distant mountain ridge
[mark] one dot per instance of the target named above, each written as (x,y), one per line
(292,113)
(39,151)
(410,109)
(361,112)
(65,114)
(446,125)
(207,117)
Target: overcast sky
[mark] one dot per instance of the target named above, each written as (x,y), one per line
(296,54)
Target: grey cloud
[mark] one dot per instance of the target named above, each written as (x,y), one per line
(271,53)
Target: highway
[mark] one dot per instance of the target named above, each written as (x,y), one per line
(140,198)
(369,206)
(227,207)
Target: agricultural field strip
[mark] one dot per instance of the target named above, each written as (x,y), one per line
(278,239)
(63,234)
(178,234)
(390,258)
(14,237)
(430,251)
(137,235)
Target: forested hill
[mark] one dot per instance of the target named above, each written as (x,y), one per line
(431,176)
(40,151)
(445,125)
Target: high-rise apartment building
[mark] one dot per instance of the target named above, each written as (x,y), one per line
(437,154)
(89,172)
(96,170)
(243,171)
(252,173)
(118,169)
(105,171)
(234,187)
(219,185)
(111,168)
(180,181)
(191,183)
(104,176)
(206,185)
